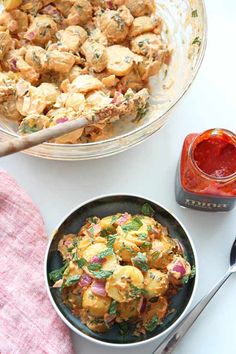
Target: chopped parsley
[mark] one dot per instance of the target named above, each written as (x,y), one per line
(147,210)
(142,236)
(113,308)
(110,240)
(114,218)
(94,266)
(197,41)
(186,278)
(136,292)
(146,244)
(102,274)
(57,274)
(151,325)
(140,261)
(194,13)
(81,262)
(134,225)
(155,256)
(107,252)
(142,111)
(72,280)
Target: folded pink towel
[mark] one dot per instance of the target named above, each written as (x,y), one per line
(28,322)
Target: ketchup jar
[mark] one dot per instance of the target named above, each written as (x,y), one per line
(206,174)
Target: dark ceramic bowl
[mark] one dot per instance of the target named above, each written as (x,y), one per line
(103,206)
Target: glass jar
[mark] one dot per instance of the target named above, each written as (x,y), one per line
(206,174)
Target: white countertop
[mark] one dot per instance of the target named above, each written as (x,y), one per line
(149,170)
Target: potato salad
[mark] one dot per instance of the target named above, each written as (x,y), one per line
(121,269)
(64,59)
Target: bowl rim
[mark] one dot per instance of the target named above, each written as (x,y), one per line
(202,51)
(86,336)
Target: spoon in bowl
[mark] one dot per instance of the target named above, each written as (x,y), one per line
(173,338)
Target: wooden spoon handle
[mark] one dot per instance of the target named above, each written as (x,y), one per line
(28,141)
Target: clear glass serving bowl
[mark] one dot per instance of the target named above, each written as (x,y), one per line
(186,34)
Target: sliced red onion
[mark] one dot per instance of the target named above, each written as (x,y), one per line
(68,243)
(96,259)
(124,217)
(142,305)
(118,98)
(98,288)
(179,268)
(96,229)
(30,35)
(61,120)
(85,280)
(13,63)
(109,319)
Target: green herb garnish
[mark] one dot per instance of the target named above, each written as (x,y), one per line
(151,325)
(147,210)
(102,274)
(155,256)
(197,41)
(136,292)
(94,266)
(186,278)
(57,274)
(134,225)
(81,262)
(140,261)
(113,308)
(111,240)
(105,253)
(194,13)
(142,236)
(72,280)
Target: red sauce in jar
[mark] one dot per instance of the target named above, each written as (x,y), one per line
(206,177)
(216,156)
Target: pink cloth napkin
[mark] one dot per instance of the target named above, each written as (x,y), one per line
(28,322)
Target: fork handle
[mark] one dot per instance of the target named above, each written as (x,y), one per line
(173,338)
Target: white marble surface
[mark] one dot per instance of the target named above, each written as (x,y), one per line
(149,169)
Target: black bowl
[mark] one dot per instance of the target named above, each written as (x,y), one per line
(104,206)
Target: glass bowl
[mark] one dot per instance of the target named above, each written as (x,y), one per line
(186,25)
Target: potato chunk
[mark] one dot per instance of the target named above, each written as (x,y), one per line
(120,60)
(113,26)
(97,306)
(6,43)
(37,99)
(61,62)
(156,283)
(72,38)
(95,54)
(35,56)
(80,13)
(11,4)
(143,24)
(85,83)
(41,30)
(147,44)
(125,284)
(125,248)
(140,7)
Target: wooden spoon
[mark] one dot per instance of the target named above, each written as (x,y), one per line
(104,114)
